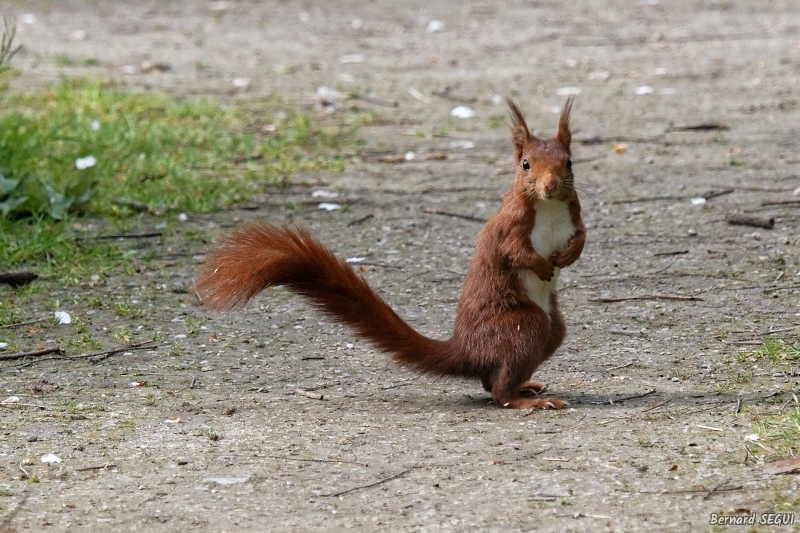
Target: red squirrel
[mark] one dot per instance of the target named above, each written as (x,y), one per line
(507,321)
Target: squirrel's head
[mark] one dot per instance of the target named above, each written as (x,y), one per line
(543,168)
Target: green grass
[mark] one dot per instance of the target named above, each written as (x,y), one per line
(778,352)
(169,154)
(781,432)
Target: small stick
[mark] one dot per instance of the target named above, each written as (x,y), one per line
(656,406)
(145,235)
(620,366)
(18,279)
(99,356)
(676,252)
(715,489)
(455,215)
(360,220)
(709,428)
(624,398)
(647,297)
(342,493)
(316,460)
(740,219)
(701,127)
(18,324)
(446,93)
(632,333)
(36,353)
(308,394)
(193,383)
(419,96)
(100,467)
(784,202)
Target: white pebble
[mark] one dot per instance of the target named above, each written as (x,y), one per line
(241,83)
(644,89)
(435,25)
(329,206)
(63,317)
(462,111)
(51,458)
(83,163)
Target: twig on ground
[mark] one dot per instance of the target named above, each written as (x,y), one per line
(784,202)
(18,279)
(631,332)
(99,467)
(418,95)
(618,366)
(145,235)
(740,219)
(375,484)
(711,126)
(26,323)
(709,195)
(93,357)
(715,489)
(35,353)
(316,460)
(99,356)
(446,92)
(360,220)
(455,215)
(308,394)
(633,397)
(613,299)
(656,406)
(699,490)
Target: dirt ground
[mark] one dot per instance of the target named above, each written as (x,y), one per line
(213,438)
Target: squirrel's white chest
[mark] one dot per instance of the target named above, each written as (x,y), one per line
(552,230)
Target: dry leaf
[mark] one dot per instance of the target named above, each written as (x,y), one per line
(789,466)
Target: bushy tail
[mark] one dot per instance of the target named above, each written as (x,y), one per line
(256,256)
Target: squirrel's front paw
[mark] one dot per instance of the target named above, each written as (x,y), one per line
(544,270)
(563,258)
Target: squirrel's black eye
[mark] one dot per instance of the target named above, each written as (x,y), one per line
(569,164)
(526,165)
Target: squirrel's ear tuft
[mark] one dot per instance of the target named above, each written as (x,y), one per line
(519,129)
(564,136)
